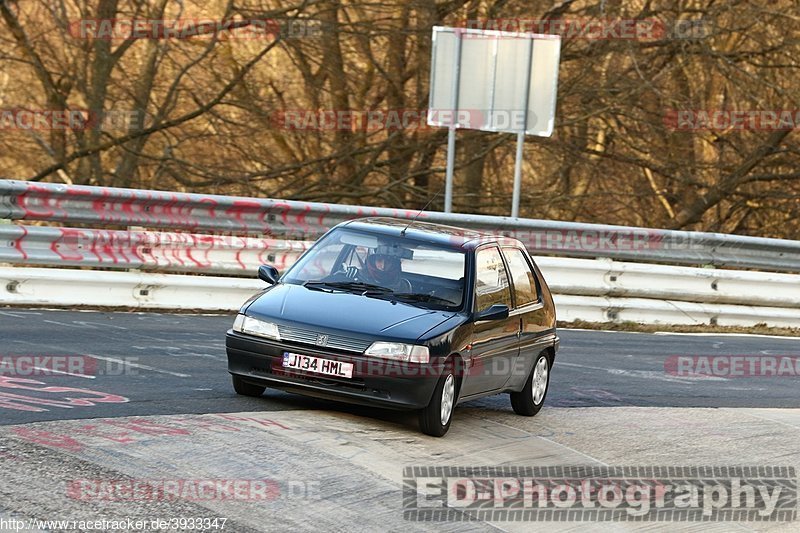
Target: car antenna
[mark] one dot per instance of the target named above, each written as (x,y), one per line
(403,231)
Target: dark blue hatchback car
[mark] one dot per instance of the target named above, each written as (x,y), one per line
(405,316)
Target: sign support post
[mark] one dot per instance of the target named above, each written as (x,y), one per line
(521,138)
(451,132)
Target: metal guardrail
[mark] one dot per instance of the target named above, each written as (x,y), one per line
(68,204)
(214,254)
(175,232)
(616,280)
(144,250)
(75,288)
(71,288)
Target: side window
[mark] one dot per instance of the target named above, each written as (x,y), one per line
(491,280)
(524,279)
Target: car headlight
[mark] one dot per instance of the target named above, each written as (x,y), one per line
(253,326)
(399,352)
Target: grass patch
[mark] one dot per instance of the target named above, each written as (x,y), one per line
(758,329)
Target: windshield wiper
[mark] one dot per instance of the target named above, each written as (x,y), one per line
(411,297)
(356,286)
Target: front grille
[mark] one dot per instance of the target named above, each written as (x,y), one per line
(335,342)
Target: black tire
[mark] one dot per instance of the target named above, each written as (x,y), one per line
(246,389)
(430,418)
(524,401)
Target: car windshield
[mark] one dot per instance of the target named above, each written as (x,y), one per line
(396,268)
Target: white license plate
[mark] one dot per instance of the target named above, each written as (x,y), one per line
(329,367)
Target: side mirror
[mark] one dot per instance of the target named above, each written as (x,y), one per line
(495,312)
(268,273)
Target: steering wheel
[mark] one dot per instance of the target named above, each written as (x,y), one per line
(406,285)
(352,273)
(345,273)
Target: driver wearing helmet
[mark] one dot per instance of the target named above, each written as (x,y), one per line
(383,268)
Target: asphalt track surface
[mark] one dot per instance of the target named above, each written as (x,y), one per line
(176,364)
(153,403)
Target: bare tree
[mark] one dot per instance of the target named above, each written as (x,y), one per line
(207,109)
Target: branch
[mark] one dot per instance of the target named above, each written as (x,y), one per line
(164,125)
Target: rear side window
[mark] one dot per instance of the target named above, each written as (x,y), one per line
(522,275)
(491,280)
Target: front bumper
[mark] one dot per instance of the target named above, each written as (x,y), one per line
(375,382)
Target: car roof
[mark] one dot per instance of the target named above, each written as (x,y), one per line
(441,234)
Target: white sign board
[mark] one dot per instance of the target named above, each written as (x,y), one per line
(494,81)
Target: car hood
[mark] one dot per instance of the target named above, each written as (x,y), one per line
(346,312)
